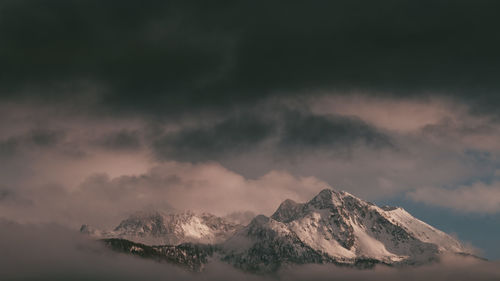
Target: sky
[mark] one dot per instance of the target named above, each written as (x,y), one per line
(110,107)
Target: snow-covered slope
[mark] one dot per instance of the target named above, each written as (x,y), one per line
(158,228)
(337,227)
(422,231)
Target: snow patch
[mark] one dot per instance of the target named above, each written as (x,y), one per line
(370,247)
(195,228)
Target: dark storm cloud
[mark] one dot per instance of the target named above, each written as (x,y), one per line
(330,131)
(33,139)
(144,56)
(163,57)
(44,138)
(240,133)
(285,130)
(121,140)
(5,194)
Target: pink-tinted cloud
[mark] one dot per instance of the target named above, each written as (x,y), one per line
(403,115)
(209,187)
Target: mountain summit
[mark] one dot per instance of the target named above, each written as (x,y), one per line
(339,227)
(333,227)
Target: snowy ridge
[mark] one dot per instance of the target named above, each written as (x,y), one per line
(159,228)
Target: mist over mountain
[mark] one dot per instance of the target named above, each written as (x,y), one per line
(333,227)
(162,228)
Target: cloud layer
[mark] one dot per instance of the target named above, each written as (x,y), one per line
(104,201)
(358,149)
(163,59)
(478,197)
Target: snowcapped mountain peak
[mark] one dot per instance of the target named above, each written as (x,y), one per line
(143,222)
(339,226)
(332,199)
(327,198)
(288,211)
(259,220)
(263,227)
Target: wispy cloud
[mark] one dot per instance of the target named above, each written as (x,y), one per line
(209,187)
(478,197)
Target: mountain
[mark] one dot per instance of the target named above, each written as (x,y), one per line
(159,228)
(340,228)
(333,227)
